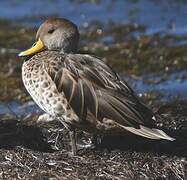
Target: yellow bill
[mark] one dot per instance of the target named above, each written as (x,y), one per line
(38,46)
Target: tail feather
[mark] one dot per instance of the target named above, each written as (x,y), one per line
(151,133)
(157,132)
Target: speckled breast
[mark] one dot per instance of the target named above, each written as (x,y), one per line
(42,89)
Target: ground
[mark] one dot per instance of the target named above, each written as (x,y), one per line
(31,152)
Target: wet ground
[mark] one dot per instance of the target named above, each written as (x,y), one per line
(146,42)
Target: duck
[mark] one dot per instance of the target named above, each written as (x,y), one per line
(80,90)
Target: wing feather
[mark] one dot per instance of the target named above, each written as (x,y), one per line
(90,85)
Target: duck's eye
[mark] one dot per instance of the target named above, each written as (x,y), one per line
(51,31)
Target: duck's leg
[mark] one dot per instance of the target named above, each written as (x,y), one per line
(94,140)
(72,135)
(73,139)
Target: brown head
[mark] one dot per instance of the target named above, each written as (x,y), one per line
(55,34)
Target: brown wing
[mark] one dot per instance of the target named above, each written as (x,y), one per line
(90,85)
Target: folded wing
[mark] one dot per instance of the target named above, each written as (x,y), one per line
(91,86)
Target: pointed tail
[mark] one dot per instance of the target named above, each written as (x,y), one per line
(151,133)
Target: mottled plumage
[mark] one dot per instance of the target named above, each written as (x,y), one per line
(81,90)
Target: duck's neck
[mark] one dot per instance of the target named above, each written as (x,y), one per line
(68,48)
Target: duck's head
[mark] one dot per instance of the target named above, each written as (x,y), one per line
(55,34)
